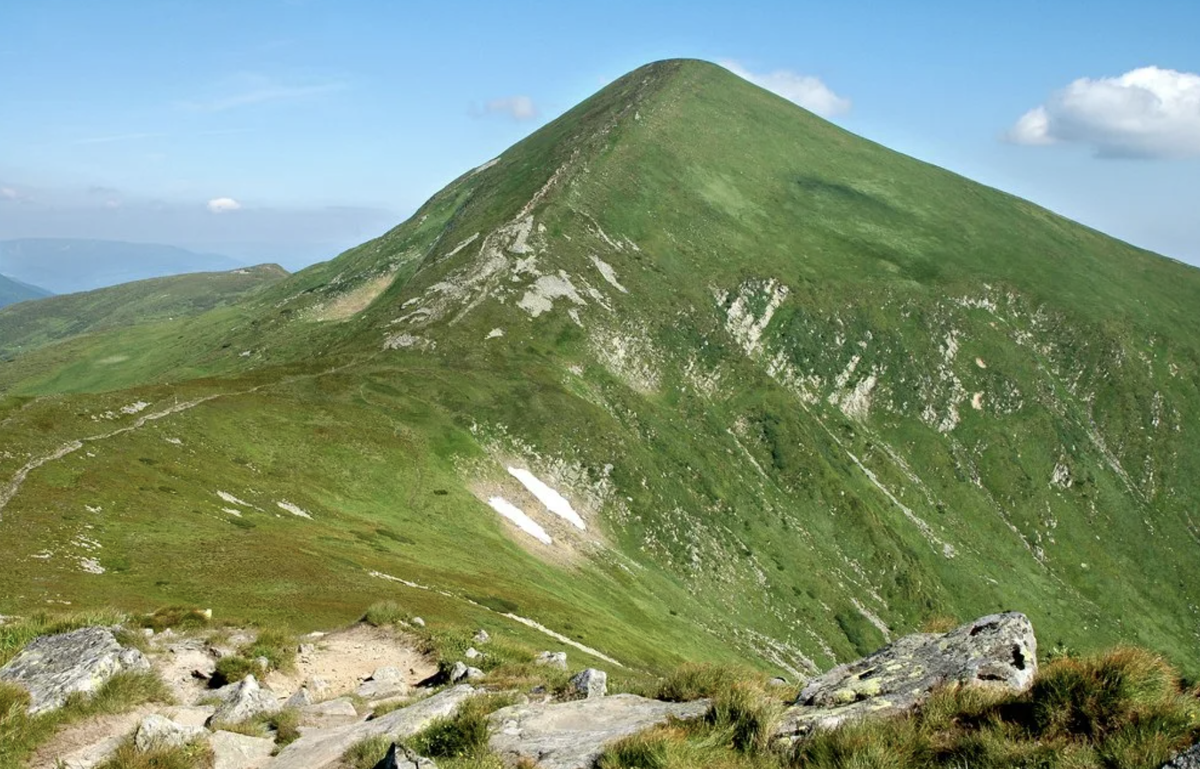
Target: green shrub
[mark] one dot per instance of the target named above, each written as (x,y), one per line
(463,735)
(195,755)
(176,617)
(385,614)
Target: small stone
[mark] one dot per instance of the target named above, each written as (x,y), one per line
(157,731)
(384,682)
(777,681)
(481,636)
(591,683)
(300,699)
(318,687)
(148,632)
(474,674)
(263,663)
(552,659)
(458,672)
(472,653)
(306,650)
(417,621)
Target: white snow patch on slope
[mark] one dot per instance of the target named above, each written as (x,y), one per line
(518,516)
(554,502)
(293,509)
(608,273)
(227,497)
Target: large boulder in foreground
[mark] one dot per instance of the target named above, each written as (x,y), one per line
(572,735)
(52,668)
(998,650)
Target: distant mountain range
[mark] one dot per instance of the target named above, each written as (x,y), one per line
(64,266)
(13,291)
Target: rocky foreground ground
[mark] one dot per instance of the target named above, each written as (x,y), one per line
(366,683)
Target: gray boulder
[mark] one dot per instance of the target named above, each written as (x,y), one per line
(329,713)
(481,636)
(590,683)
(998,650)
(572,735)
(52,668)
(245,700)
(458,672)
(160,732)
(238,751)
(323,748)
(552,659)
(1188,759)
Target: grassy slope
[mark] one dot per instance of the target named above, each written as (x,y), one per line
(725,475)
(31,326)
(13,291)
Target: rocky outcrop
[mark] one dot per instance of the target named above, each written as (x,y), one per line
(1188,759)
(329,713)
(403,758)
(244,700)
(998,650)
(572,735)
(323,748)
(52,668)
(385,682)
(552,659)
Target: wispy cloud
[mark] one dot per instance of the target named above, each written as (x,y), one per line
(255,90)
(806,90)
(516,107)
(1145,113)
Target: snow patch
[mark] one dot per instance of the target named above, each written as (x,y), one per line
(293,509)
(518,516)
(551,499)
(227,497)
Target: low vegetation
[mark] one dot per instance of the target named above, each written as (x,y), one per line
(194,755)
(1124,709)
(21,734)
(276,647)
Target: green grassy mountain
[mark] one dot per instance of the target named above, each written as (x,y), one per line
(13,291)
(804,394)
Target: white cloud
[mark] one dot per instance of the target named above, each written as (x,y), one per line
(516,107)
(1145,113)
(8,193)
(806,90)
(223,205)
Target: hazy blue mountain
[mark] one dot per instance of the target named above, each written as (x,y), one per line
(13,291)
(65,266)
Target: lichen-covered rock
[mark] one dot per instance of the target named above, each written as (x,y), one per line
(244,701)
(590,683)
(1188,759)
(998,650)
(156,732)
(572,735)
(52,668)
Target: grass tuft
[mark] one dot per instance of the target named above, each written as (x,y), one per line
(196,755)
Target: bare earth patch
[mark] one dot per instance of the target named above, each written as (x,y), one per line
(345,658)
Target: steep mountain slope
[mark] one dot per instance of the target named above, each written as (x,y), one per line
(68,265)
(13,291)
(803,393)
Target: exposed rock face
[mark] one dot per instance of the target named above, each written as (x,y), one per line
(52,668)
(244,700)
(572,735)
(237,751)
(997,650)
(323,748)
(1188,759)
(590,683)
(329,713)
(161,732)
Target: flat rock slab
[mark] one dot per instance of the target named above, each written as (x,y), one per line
(998,650)
(52,668)
(1188,759)
(572,735)
(238,751)
(323,748)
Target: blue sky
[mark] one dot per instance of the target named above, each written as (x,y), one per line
(290,129)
